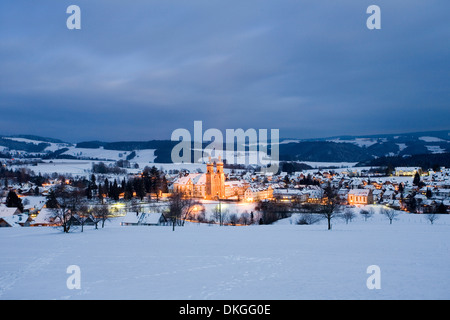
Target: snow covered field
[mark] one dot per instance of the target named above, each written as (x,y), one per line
(281,261)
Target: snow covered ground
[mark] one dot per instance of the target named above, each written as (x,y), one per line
(280,261)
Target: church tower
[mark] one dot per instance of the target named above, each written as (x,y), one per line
(215,180)
(209,179)
(220,179)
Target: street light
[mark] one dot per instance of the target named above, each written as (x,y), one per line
(220,209)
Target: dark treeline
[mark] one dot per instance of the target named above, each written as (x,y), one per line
(151,181)
(425,161)
(21,176)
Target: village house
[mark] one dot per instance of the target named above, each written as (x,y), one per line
(377,194)
(46,217)
(144,219)
(342,195)
(388,195)
(360,197)
(12,217)
(252,194)
(290,195)
(407,171)
(21,219)
(7,211)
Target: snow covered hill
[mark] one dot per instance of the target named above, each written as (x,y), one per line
(282,261)
(333,149)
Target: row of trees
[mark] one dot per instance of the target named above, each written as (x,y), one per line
(70,207)
(151,181)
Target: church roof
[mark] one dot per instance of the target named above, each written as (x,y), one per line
(195,178)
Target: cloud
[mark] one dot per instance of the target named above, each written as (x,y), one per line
(138,71)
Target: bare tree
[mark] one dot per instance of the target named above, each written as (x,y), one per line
(330,205)
(308,218)
(69,200)
(179,208)
(100,213)
(200,215)
(432,217)
(62,216)
(220,214)
(367,213)
(83,214)
(391,214)
(225,216)
(244,218)
(217,214)
(348,215)
(190,208)
(233,219)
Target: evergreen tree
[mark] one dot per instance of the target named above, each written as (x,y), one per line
(89,192)
(100,193)
(139,187)
(164,185)
(441,208)
(155,180)
(93,182)
(287,181)
(51,202)
(115,191)
(411,205)
(13,201)
(106,187)
(416,180)
(128,192)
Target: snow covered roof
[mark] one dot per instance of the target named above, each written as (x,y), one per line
(195,178)
(407,168)
(15,220)
(142,218)
(131,217)
(45,216)
(290,192)
(7,212)
(151,218)
(359,192)
(235,183)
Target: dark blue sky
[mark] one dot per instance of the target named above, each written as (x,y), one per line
(137,70)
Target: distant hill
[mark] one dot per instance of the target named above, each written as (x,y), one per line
(38,138)
(361,149)
(368,147)
(425,161)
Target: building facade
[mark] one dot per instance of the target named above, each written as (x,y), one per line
(360,197)
(210,185)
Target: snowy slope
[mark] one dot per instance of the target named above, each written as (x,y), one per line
(284,261)
(52,146)
(332,149)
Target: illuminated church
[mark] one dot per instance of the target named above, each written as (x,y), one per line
(210,185)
